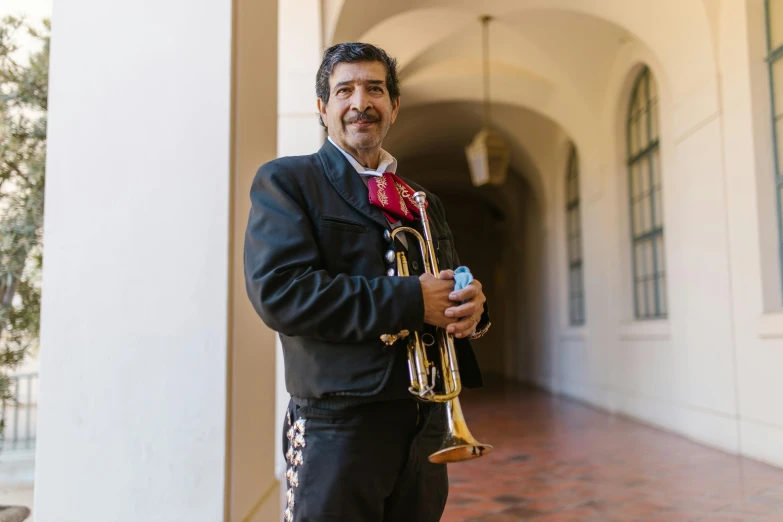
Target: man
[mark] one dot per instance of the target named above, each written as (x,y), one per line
(320,270)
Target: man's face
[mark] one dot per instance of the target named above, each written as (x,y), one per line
(360,111)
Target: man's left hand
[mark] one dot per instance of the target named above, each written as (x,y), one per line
(469,312)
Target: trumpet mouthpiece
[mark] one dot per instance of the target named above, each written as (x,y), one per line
(420,198)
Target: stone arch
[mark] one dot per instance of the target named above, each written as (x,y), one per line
(691,22)
(429,140)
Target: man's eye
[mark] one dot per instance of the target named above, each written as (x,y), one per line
(376,89)
(342,91)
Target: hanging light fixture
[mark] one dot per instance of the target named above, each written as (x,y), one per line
(488,155)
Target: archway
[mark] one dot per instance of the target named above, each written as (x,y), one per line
(499,231)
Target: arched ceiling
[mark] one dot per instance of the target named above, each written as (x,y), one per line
(551,62)
(559,51)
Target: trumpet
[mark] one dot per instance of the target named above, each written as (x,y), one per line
(458,444)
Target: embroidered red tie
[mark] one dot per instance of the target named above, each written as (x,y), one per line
(394,197)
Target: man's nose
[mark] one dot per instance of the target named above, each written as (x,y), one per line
(360,101)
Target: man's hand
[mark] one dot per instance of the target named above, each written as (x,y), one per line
(436,298)
(468,313)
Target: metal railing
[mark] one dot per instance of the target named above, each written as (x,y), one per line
(19,415)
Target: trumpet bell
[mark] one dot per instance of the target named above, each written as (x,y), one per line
(455,449)
(458,445)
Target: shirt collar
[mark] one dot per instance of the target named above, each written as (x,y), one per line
(386,163)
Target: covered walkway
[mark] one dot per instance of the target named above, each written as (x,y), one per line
(560,461)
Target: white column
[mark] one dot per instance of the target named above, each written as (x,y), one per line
(139,317)
(299,56)
(300,52)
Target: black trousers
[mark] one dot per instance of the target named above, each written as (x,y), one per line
(364,464)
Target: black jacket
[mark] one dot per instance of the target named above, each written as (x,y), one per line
(315,272)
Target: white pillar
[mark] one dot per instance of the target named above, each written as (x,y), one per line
(143,316)
(300,52)
(299,56)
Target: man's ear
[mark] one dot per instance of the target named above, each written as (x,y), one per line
(322,111)
(395,109)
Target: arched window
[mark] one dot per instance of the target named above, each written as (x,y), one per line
(646,205)
(775,60)
(576,287)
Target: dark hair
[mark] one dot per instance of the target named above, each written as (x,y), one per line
(352,52)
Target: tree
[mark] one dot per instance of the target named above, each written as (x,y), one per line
(23,109)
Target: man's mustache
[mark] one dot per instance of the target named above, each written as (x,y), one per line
(366,116)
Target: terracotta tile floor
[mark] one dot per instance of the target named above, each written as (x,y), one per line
(559,461)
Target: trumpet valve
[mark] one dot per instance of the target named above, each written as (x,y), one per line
(421,393)
(390,339)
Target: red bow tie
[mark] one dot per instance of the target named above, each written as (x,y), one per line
(394,197)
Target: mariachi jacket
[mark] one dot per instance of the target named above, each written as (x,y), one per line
(316,269)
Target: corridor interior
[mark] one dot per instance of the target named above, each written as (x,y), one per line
(554,459)
(497,230)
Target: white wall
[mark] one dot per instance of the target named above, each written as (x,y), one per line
(133,357)
(709,370)
(753,231)
(676,373)
(139,321)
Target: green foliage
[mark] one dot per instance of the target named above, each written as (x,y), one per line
(23,108)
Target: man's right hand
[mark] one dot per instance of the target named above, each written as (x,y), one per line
(436,298)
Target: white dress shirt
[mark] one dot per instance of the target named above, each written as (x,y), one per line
(386,163)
